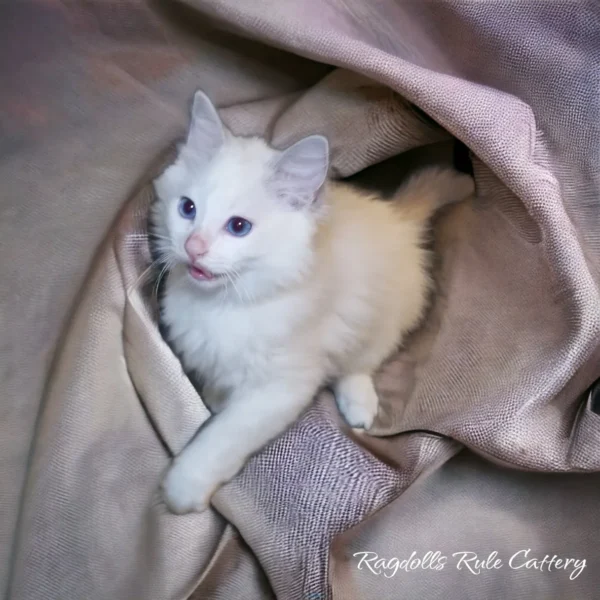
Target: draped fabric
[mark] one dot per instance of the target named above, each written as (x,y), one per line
(487,440)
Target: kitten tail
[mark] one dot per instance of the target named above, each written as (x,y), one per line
(431,189)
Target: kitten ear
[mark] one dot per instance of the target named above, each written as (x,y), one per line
(206,134)
(300,171)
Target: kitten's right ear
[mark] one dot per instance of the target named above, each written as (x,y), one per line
(206,134)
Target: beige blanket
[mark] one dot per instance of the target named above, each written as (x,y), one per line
(93,404)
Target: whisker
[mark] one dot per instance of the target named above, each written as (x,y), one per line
(143,274)
(250,297)
(234,275)
(163,248)
(154,236)
(166,268)
(234,286)
(225,292)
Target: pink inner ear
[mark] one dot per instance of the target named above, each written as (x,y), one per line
(206,134)
(196,246)
(301,170)
(295,199)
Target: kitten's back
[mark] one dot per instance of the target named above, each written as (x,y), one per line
(380,265)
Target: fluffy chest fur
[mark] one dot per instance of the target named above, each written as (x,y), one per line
(229,344)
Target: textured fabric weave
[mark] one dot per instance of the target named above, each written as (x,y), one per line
(93,403)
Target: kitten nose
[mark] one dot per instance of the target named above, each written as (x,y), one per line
(196,246)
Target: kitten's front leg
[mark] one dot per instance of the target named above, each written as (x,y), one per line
(223,445)
(357,400)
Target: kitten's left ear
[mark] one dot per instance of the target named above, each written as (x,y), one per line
(206,134)
(300,171)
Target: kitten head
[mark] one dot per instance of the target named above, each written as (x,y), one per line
(234,209)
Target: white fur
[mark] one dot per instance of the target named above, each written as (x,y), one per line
(321,290)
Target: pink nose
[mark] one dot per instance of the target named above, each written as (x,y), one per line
(196,246)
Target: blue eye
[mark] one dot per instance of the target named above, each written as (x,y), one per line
(187,209)
(238,226)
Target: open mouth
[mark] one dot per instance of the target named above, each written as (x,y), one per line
(202,273)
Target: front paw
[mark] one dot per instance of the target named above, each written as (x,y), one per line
(186,489)
(357,400)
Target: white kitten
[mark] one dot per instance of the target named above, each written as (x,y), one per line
(279,283)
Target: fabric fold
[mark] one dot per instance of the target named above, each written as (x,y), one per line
(499,366)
